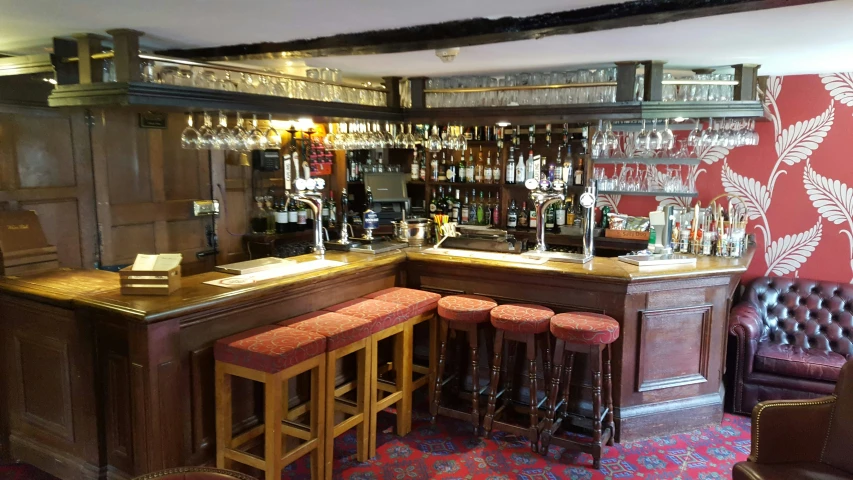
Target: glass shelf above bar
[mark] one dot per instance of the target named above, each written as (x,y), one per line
(648,194)
(647,161)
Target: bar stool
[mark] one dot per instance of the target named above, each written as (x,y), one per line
(527,324)
(422,307)
(461,313)
(388,320)
(589,333)
(345,335)
(271,355)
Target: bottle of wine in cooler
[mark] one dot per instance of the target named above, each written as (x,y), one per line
(512,215)
(510,168)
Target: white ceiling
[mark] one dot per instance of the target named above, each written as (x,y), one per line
(805,39)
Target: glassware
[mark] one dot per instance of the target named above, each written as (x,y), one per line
(206,134)
(655,138)
(223,134)
(256,139)
(433,143)
(695,135)
(272,136)
(190,138)
(642,140)
(667,138)
(239,136)
(599,143)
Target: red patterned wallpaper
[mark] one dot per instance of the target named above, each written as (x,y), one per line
(797,182)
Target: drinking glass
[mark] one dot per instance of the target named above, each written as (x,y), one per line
(642,140)
(223,134)
(667,138)
(273,137)
(227,84)
(599,143)
(695,135)
(206,134)
(256,139)
(190,137)
(655,138)
(239,136)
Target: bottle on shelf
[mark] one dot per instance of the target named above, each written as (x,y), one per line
(380,167)
(324,214)
(258,220)
(270,213)
(523,219)
(422,170)
(469,173)
(433,205)
(520,169)
(481,210)
(568,174)
(496,169)
(532,220)
(578,220)
(472,208)
(487,170)
(433,167)
(478,170)
(558,164)
(462,171)
(333,211)
(496,210)
(301,217)
(280,217)
(532,172)
(548,135)
(416,166)
(448,202)
(510,167)
(579,173)
(570,212)
(450,173)
(457,206)
(293,217)
(552,171)
(464,214)
(442,169)
(550,215)
(560,219)
(512,215)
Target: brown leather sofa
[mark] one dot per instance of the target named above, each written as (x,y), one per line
(195,473)
(791,337)
(803,439)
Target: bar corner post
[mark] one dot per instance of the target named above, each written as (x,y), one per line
(89,69)
(418,89)
(746,75)
(126,59)
(392,91)
(626,81)
(653,80)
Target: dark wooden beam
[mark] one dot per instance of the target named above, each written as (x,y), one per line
(90,69)
(652,81)
(392,92)
(126,59)
(482,31)
(747,76)
(626,81)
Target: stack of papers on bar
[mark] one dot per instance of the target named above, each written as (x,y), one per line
(157,263)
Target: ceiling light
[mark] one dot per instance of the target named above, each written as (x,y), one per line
(50,80)
(678,119)
(503,124)
(447,55)
(288,63)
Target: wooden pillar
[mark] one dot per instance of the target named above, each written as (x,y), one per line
(126,60)
(653,76)
(418,87)
(67,73)
(747,76)
(90,70)
(392,92)
(626,81)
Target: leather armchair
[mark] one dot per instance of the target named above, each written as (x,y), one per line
(803,439)
(195,473)
(790,338)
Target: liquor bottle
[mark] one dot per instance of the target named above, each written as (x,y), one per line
(450,173)
(487,210)
(472,208)
(457,205)
(579,172)
(481,210)
(530,167)
(449,201)
(301,217)
(469,173)
(380,167)
(487,171)
(496,211)
(550,219)
(462,171)
(558,164)
(568,174)
(442,169)
(548,135)
(463,212)
(333,210)
(440,202)
(478,172)
(422,169)
(270,214)
(560,214)
(512,215)
(433,165)
(281,217)
(570,213)
(416,166)
(552,174)
(292,218)
(510,168)
(324,214)
(523,219)
(520,174)
(531,135)
(433,205)
(532,220)
(496,170)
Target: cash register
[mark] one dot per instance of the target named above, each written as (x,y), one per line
(390,198)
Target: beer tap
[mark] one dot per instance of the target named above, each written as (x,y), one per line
(543,194)
(309,192)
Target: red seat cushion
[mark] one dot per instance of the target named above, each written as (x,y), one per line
(381,314)
(522,318)
(418,301)
(585,328)
(269,349)
(466,308)
(793,361)
(339,330)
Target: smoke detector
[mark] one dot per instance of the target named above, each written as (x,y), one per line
(447,55)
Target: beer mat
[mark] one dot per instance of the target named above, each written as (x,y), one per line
(238,281)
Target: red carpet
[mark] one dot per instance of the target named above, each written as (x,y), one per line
(448,450)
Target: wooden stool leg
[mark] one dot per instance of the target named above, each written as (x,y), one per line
(458,364)
(224,422)
(608,384)
(403,379)
(493,382)
(374,381)
(553,396)
(328,445)
(509,374)
(595,361)
(272,429)
(439,376)
(363,357)
(545,346)
(317,419)
(433,357)
(533,436)
(473,344)
(567,383)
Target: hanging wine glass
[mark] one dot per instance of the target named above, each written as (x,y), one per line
(598,141)
(377,138)
(389,135)
(461,141)
(399,140)
(642,140)
(434,142)
(655,139)
(190,137)
(239,136)
(667,139)
(256,139)
(709,137)
(222,137)
(207,134)
(695,135)
(272,136)
(408,138)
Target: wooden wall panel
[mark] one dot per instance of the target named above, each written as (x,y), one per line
(128,240)
(46,166)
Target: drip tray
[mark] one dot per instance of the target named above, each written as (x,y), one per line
(377,247)
(559,256)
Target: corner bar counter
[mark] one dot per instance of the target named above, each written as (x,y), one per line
(131,377)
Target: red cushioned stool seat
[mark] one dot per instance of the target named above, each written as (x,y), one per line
(466,308)
(522,318)
(381,314)
(585,328)
(418,301)
(269,349)
(339,330)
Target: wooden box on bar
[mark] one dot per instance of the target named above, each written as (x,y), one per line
(627,234)
(149,282)
(23,246)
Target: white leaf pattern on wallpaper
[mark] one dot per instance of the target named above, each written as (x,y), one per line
(609,200)
(712,155)
(790,252)
(840,86)
(755,196)
(800,140)
(771,94)
(832,199)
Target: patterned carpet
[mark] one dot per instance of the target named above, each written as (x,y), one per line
(448,450)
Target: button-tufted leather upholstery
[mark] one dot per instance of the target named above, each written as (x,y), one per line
(792,336)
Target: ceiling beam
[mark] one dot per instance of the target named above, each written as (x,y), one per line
(480,31)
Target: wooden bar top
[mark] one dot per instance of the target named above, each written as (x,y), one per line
(100,290)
